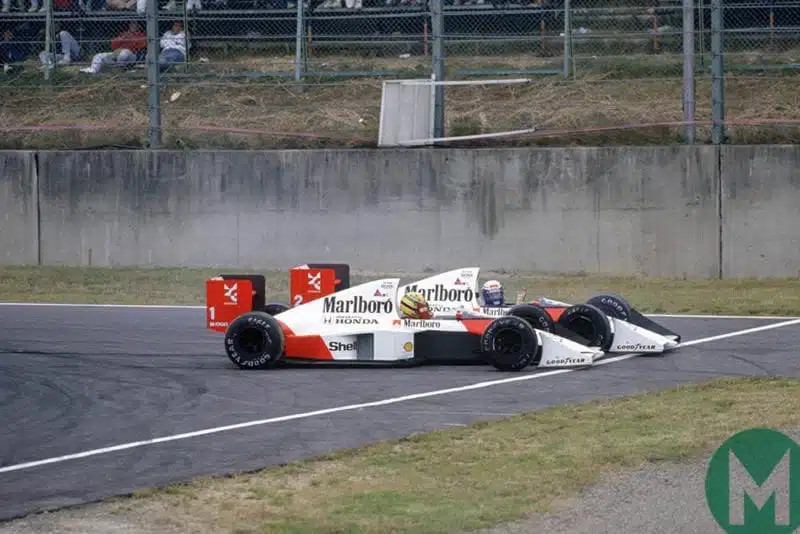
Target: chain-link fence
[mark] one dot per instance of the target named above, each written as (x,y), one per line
(253,73)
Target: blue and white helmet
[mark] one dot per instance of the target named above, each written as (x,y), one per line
(492,293)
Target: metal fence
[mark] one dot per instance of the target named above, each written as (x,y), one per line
(285,72)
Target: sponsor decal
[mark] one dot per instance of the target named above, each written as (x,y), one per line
(568,361)
(355,304)
(635,347)
(232,293)
(338,346)
(408,346)
(379,293)
(349,320)
(459,282)
(493,312)
(387,285)
(421,323)
(442,293)
(314,282)
(466,274)
(213,324)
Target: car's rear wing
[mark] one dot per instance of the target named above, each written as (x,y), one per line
(230,295)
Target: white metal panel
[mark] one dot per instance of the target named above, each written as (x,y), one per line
(406,112)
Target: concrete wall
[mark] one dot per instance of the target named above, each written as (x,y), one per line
(648,211)
(19,243)
(761,211)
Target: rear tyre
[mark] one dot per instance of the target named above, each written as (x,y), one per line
(590,323)
(274,308)
(612,305)
(255,340)
(510,344)
(535,316)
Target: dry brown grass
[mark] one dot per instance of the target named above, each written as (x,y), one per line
(261,113)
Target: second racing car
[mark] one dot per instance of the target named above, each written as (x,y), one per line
(435,320)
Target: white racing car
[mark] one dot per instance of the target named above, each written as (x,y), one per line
(334,323)
(606,321)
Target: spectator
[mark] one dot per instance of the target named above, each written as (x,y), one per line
(34,6)
(67,49)
(173,45)
(127,48)
(120,5)
(11,52)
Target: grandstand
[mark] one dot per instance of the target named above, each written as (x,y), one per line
(225,28)
(237,90)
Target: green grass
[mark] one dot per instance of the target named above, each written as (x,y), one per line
(187,287)
(472,477)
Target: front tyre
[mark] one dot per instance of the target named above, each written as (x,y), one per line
(510,344)
(590,323)
(612,305)
(536,316)
(255,340)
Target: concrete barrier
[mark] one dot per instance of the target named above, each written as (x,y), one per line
(761,211)
(19,230)
(651,211)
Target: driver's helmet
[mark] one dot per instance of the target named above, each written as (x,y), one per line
(413,305)
(492,294)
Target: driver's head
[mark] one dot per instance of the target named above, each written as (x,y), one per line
(414,306)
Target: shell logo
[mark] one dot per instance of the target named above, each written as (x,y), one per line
(408,346)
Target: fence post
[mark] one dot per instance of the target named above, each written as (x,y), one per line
(299,44)
(48,37)
(567,37)
(688,70)
(437,31)
(717,74)
(153,89)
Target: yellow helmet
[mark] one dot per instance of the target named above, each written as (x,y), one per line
(413,305)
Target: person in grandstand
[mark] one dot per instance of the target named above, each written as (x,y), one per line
(492,294)
(413,305)
(66,49)
(126,48)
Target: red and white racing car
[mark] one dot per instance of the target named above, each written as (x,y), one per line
(331,322)
(334,323)
(606,321)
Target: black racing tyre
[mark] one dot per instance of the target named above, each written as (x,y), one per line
(255,340)
(536,316)
(612,305)
(590,323)
(510,344)
(274,308)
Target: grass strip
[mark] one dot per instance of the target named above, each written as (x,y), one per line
(471,477)
(187,286)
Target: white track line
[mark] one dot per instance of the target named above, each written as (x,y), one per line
(178,307)
(352,407)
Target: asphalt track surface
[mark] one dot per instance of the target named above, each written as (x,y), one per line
(77,379)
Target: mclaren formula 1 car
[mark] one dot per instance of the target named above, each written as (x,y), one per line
(606,321)
(331,322)
(334,323)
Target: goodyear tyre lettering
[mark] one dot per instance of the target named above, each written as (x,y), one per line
(255,325)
